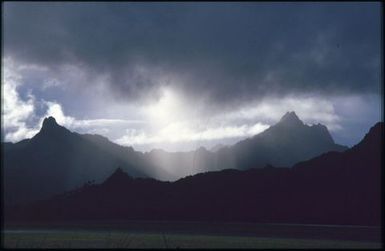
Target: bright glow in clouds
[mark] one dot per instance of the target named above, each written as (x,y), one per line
(169,114)
(167,110)
(180,132)
(55,110)
(174,120)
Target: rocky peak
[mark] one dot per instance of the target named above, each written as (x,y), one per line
(49,122)
(290,118)
(51,128)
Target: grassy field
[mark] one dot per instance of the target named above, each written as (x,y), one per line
(124,239)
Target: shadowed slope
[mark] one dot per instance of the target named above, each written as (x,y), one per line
(283,144)
(56,160)
(334,188)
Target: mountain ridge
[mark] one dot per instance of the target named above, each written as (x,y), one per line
(63,160)
(333,188)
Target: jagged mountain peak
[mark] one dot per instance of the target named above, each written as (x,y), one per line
(49,122)
(285,143)
(51,128)
(290,118)
(292,121)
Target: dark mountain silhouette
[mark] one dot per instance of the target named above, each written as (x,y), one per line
(333,188)
(56,160)
(283,144)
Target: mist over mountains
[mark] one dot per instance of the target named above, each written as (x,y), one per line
(333,188)
(283,144)
(57,160)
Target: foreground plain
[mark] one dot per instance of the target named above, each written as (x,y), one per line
(295,237)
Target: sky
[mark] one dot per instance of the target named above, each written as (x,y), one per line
(182,75)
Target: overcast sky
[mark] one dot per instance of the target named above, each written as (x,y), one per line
(181,75)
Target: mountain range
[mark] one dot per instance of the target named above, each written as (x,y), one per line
(333,188)
(283,144)
(56,160)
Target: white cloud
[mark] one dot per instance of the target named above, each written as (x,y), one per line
(180,132)
(19,115)
(16,111)
(55,110)
(173,119)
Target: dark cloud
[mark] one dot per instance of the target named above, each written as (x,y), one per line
(231,51)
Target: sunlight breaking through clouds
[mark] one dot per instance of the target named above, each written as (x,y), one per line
(180,132)
(172,120)
(186,73)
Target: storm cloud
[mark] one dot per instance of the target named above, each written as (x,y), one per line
(153,68)
(226,50)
